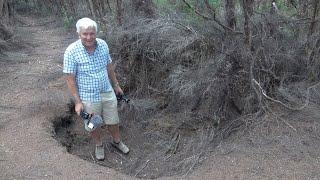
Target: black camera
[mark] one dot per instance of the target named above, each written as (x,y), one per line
(123,98)
(92,121)
(85,115)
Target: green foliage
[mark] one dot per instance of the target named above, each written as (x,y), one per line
(312,77)
(181,6)
(215,3)
(37,6)
(162,3)
(68,20)
(287,32)
(282,5)
(189,14)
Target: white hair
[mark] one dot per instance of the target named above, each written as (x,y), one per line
(85,23)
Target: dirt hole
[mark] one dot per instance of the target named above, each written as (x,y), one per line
(160,145)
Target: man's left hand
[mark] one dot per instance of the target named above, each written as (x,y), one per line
(118,90)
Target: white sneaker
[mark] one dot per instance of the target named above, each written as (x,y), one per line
(99,152)
(121,146)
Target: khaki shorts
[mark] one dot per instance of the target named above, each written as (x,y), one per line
(107,108)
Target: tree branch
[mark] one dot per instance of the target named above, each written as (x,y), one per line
(283,104)
(212,19)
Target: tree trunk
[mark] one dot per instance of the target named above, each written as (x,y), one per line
(4,11)
(303,6)
(92,10)
(119,12)
(5,33)
(230,14)
(72,6)
(247,11)
(100,5)
(1,6)
(143,7)
(108,4)
(314,16)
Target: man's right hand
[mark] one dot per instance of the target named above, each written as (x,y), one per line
(78,108)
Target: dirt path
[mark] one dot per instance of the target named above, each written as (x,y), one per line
(34,93)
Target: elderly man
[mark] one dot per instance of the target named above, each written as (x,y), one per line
(92,82)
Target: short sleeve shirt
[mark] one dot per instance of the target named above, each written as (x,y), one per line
(90,70)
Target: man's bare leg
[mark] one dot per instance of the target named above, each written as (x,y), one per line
(115,132)
(96,135)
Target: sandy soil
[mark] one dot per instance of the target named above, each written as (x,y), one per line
(282,146)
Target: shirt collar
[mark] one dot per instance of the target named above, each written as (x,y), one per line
(85,49)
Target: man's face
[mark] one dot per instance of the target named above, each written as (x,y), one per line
(88,37)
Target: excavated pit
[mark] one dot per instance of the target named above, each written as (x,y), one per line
(160,144)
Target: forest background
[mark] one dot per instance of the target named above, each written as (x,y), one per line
(210,64)
(216,59)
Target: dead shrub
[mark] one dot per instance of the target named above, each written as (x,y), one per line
(209,73)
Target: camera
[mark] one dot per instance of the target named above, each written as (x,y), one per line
(85,115)
(93,121)
(122,98)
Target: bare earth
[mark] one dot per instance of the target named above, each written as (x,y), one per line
(286,146)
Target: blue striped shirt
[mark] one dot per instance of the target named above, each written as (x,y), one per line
(90,69)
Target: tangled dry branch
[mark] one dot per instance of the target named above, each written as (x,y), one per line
(307,100)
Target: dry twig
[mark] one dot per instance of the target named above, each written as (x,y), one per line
(284,121)
(283,104)
(144,166)
(194,163)
(94,161)
(174,145)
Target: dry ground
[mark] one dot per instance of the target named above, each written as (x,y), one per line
(282,146)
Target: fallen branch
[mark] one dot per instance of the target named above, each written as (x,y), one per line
(174,145)
(144,166)
(284,121)
(194,163)
(283,104)
(94,161)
